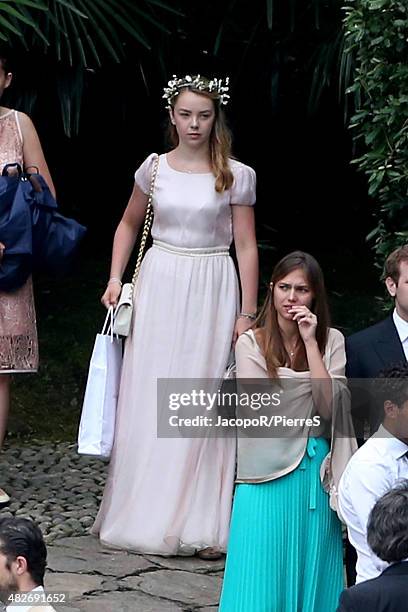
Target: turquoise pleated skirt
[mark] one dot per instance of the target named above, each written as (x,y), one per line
(285,550)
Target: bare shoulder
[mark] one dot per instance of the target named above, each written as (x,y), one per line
(4,110)
(28,130)
(25,120)
(27,126)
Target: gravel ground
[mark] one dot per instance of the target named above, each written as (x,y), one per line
(53,485)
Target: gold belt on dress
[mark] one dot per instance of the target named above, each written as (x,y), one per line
(191,252)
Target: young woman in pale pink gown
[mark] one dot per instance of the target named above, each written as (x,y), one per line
(19,143)
(173,496)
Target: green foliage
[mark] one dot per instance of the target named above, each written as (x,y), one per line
(376,36)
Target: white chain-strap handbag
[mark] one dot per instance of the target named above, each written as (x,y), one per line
(122,318)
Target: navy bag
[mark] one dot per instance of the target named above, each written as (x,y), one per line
(35,235)
(15,233)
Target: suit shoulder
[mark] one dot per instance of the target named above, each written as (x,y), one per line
(367,334)
(361,593)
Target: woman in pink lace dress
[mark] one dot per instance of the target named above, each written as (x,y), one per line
(19,143)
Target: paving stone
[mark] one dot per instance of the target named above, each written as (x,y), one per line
(84,542)
(74,585)
(62,491)
(185,587)
(127,601)
(107,563)
(193,564)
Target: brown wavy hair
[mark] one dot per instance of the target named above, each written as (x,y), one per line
(270,335)
(220,140)
(393,262)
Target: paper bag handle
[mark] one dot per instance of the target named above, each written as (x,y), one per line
(108,324)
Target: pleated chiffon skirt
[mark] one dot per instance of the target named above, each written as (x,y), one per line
(285,550)
(171,496)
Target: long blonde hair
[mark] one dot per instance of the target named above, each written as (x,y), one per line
(220,142)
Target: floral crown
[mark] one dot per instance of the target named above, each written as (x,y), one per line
(218,86)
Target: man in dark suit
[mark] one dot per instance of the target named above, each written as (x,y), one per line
(373,349)
(386,343)
(387,535)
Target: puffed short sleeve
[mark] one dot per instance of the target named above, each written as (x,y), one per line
(143,174)
(243,190)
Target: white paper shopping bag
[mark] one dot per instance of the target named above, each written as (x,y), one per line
(97,426)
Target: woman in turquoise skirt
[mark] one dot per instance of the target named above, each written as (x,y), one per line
(285,549)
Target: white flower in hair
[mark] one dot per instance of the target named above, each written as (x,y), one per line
(218,86)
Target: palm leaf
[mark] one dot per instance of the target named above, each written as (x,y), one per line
(218,37)
(166,7)
(72,8)
(34,25)
(94,15)
(269,13)
(91,45)
(33,4)
(76,38)
(6,23)
(104,24)
(62,25)
(70,89)
(327,62)
(123,21)
(5,8)
(80,34)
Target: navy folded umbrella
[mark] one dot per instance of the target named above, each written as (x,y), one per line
(35,235)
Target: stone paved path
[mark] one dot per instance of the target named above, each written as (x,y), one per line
(61,491)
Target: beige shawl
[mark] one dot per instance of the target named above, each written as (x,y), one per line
(268,458)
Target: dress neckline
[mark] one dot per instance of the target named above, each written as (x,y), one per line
(183,172)
(305,373)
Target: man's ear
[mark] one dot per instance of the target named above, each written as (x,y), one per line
(390,409)
(20,564)
(391,286)
(9,78)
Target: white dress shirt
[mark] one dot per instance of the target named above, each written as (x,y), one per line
(402,329)
(30,607)
(372,471)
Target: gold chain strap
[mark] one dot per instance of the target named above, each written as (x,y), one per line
(147,222)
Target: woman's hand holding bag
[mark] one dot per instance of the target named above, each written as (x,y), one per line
(97,426)
(122,318)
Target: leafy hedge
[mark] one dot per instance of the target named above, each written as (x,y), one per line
(377,38)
